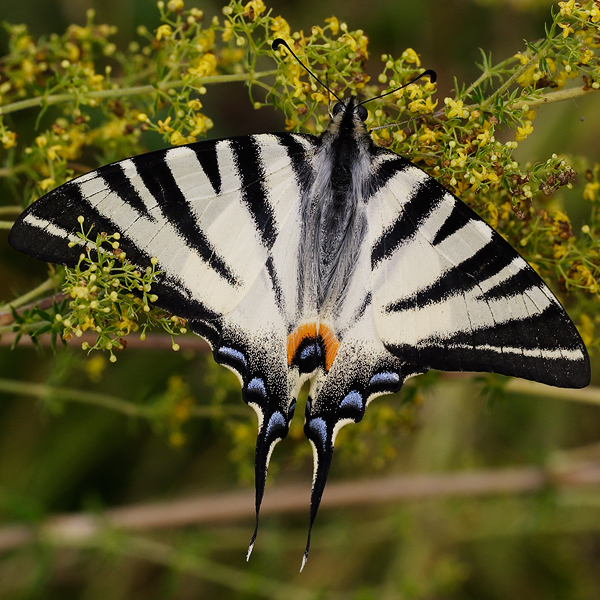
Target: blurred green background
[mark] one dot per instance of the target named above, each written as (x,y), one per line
(61,456)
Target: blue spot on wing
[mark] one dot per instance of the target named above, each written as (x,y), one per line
(233,355)
(386,378)
(258,386)
(353,400)
(319,426)
(276,421)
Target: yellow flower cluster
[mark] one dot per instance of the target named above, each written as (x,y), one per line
(591,190)
(584,278)
(204,66)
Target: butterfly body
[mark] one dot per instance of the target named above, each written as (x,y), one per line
(324,258)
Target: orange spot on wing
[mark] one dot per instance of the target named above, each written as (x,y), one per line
(310,331)
(331,345)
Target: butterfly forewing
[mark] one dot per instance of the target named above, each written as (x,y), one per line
(451,294)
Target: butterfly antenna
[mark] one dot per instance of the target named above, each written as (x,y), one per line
(279,42)
(429,73)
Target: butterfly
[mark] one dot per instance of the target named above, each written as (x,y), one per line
(323,258)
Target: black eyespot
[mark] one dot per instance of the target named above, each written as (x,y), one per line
(362,113)
(338,107)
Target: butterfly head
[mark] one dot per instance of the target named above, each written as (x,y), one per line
(348,120)
(358,110)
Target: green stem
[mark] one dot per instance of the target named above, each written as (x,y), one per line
(131,91)
(39,390)
(10,210)
(72,395)
(6,224)
(490,101)
(550,97)
(8,171)
(46,286)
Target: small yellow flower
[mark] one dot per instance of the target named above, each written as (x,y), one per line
(428,137)
(591,188)
(410,56)
(523,132)
(320,97)
(586,56)
(164,31)
(456,109)
(280,27)
(566,29)
(559,250)
(175,5)
(194,104)
(258,6)
(206,39)
(46,184)
(413,91)
(334,25)
(227,32)
(363,42)
(164,127)
(566,8)
(72,51)
(53,151)
(200,123)
(595,15)
(585,279)
(348,39)
(9,139)
(422,106)
(177,139)
(522,58)
(291,123)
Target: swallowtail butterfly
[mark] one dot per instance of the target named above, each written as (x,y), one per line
(324,258)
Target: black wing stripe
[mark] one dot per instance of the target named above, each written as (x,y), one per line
(526,348)
(386,168)
(426,196)
(119,183)
(275,283)
(481,268)
(252,176)
(173,204)
(457,219)
(206,153)
(298,158)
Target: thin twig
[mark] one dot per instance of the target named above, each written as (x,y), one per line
(558,96)
(131,91)
(22,301)
(131,409)
(232,506)
(154,341)
(589,395)
(10,210)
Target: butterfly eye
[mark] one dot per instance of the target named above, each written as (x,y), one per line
(362,113)
(338,107)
